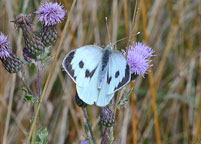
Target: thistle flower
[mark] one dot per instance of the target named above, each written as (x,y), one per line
(50,14)
(33,45)
(107,117)
(4,48)
(84,142)
(10,61)
(138,59)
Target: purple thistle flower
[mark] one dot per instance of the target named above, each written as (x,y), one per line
(51,13)
(138,58)
(84,142)
(4,48)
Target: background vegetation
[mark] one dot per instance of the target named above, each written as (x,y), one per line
(165,106)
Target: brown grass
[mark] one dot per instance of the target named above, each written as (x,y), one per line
(165,107)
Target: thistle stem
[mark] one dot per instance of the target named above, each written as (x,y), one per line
(88,124)
(105,136)
(38,91)
(25,84)
(38,80)
(51,71)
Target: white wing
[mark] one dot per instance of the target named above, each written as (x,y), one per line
(82,63)
(90,93)
(118,72)
(118,75)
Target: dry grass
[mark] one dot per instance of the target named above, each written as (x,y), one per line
(164,108)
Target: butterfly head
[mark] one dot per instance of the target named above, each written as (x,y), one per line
(110,46)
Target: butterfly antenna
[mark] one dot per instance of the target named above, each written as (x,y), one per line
(126,38)
(107,29)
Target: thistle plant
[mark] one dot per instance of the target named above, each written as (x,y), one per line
(34,51)
(50,14)
(10,61)
(33,44)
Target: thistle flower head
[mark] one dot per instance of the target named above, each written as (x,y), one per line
(9,60)
(138,58)
(4,48)
(107,117)
(51,13)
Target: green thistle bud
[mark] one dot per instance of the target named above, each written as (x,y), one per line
(12,63)
(48,35)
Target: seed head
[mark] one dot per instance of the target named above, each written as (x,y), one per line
(23,20)
(33,44)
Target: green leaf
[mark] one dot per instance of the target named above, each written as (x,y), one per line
(86,129)
(42,136)
(27,97)
(34,100)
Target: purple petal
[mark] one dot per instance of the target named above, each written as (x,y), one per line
(84,142)
(4,48)
(138,58)
(51,13)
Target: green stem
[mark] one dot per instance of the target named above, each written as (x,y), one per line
(88,124)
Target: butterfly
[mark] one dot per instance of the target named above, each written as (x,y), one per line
(98,73)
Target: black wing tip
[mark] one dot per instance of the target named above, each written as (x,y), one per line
(67,66)
(125,80)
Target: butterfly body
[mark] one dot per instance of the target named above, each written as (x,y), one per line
(98,73)
(104,64)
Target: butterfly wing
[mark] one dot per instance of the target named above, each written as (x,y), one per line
(118,75)
(90,93)
(81,64)
(118,72)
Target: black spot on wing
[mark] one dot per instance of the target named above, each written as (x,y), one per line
(89,74)
(81,64)
(125,79)
(117,74)
(109,78)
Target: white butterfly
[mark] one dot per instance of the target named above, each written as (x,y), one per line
(98,73)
